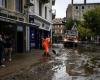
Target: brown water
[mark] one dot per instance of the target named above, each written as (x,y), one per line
(67,64)
(77,65)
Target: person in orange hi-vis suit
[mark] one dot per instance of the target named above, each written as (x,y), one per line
(45,45)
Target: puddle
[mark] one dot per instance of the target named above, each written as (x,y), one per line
(60,69)
(75,66)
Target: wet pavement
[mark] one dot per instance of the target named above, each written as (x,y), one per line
(67,64)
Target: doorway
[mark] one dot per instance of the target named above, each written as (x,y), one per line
(19,42)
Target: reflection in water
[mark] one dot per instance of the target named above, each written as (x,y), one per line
(61,74)
(60,69)
(75,66)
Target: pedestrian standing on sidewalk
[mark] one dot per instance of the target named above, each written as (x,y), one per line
(45,45)
(1,51)
(8,47)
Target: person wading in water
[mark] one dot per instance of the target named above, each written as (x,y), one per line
(45,45)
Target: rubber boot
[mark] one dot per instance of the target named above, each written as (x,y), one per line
(44,54)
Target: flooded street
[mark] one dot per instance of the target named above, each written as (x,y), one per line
(67,64)
(78,66)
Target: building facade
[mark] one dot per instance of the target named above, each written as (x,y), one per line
(58,29)
(26,21)
(76,11)
(41,15)
(13,22)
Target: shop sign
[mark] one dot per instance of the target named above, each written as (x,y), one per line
(45,27)
(38,23)
(19,28)
(8,15)
(42,25)
(31,19)
(7,20)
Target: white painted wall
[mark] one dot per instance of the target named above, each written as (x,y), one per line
(36,10)
(78,13)
(27,39)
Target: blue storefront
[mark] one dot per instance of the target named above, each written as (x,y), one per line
(33,38)
(36,36)
(37,32)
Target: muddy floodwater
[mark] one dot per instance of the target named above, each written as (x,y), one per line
(66,64)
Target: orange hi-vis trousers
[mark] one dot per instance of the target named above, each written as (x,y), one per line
(45,45)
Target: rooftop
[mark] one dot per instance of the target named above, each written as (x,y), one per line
(85,4)
(57,21)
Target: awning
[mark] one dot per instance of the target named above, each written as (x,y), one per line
(27,24)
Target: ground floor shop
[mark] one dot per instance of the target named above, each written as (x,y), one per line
(41,30)
(36,36)
(16,32)
(24,37)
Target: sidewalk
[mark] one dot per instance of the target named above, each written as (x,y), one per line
(21,62)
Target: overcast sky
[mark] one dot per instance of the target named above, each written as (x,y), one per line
(61,6)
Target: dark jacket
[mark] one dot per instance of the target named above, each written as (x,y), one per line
(8,43)
(1,46)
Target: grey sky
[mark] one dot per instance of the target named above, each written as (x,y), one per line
(61,5)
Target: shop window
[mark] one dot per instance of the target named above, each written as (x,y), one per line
(2,3)
(40,9)
(61,31)
(82,7)
(45,12)
(76,7)
(19,5)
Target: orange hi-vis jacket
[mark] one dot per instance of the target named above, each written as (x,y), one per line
(45,45)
